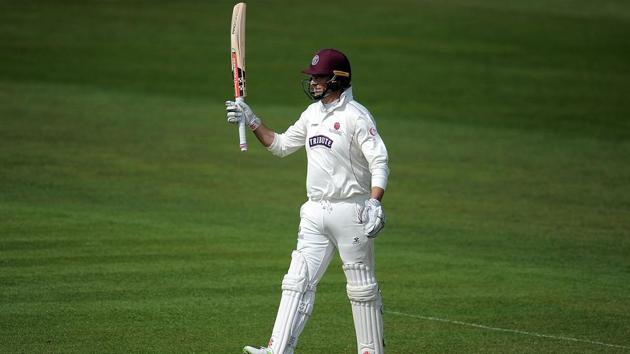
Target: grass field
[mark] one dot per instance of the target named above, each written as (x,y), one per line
(131,223)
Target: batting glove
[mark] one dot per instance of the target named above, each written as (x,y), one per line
(239,111)
(372,217)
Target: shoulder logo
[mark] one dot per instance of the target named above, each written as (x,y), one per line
(372,131)
(320,140)
(315,60)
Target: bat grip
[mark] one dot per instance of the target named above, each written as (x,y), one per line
(242,130)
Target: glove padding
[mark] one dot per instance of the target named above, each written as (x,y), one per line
(372,217)
(240,111)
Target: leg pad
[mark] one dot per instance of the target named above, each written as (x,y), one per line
(295,308)
(367,308)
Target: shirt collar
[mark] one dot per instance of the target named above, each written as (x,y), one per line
(346,96)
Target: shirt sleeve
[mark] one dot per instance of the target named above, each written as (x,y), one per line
(374,150)
(291,140)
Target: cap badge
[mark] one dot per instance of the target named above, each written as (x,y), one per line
(315,60)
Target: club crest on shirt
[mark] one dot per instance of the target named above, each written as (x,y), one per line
(336,129)
(318,140)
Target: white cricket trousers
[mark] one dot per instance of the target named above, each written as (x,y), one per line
(329,225)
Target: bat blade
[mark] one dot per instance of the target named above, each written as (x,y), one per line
(237,56)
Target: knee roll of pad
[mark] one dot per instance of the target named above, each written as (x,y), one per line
(362,285)
(296,278)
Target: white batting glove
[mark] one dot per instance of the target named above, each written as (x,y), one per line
(238,111)
(372,217)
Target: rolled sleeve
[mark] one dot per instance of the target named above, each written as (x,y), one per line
(374,150)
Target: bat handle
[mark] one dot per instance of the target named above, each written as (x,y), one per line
(242,136)
(242,131)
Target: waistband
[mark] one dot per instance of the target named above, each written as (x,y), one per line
(361,198)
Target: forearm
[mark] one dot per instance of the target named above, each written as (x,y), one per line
(377,193)
(264,135)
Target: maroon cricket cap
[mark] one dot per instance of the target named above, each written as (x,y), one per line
(329,62)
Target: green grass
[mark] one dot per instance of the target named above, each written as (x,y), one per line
(131,223)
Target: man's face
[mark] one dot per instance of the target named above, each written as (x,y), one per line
(318,84)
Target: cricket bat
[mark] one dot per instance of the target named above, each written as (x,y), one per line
(237,39)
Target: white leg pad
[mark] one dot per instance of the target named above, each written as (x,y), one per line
(296,305)
(367,308)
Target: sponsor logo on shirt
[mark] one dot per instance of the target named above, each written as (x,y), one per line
(320,140)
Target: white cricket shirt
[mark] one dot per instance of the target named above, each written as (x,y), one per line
(346,155)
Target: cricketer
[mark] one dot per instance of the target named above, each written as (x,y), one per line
(346,178)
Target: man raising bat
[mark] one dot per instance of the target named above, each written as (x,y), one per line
(346,179)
